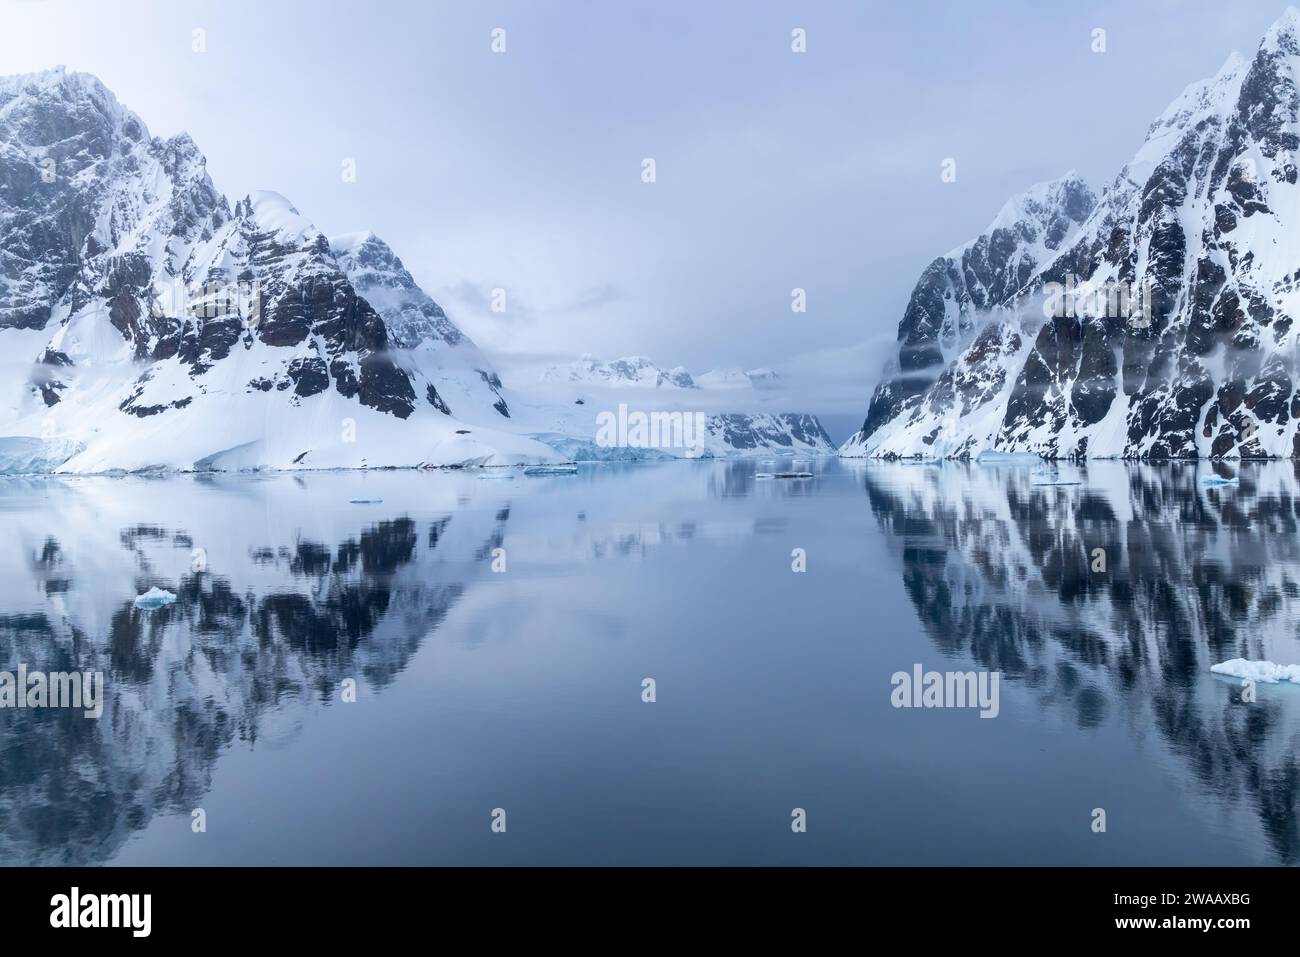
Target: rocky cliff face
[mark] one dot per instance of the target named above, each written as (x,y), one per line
(459,380)
(169,327)
(1197,231)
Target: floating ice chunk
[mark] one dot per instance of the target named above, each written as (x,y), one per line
(496,473)
(989,457)
(1051,475)
(365,501)
(1265,671)
(1213,480)
(551,470)
(799,475)
(764,475)
(154,598)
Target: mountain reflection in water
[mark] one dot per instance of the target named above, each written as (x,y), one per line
(522,686)
(998,564)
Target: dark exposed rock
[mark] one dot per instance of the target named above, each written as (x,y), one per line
(386,387)
(435,400)
(308,375)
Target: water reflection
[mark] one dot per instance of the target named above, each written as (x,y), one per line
(999,564)
(255,629)
(528,683)
(298,583)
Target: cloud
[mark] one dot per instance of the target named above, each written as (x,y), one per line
(606,294)
(476,298)
(467,298)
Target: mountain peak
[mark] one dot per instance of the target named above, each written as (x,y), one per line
(40,79)
(1232,66)
(350,243)
(81,96)
(1282,34)
(1067,194)
(273,211)
(364,252)
(44,82)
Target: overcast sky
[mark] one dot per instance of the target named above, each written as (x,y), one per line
(775,170)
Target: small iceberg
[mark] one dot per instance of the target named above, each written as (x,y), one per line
(154,598)
(365,501)
(1265,671)
(764,475)
(1050,475)
(551,470)
(989,457)
(496,473)
(788,475)
(1215,480)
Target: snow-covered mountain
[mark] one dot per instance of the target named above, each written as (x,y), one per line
(734,419)
(148,322)
(630,371)
(640,372)
(1199,229)
(431,346)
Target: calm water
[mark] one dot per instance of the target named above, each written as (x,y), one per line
(521,689)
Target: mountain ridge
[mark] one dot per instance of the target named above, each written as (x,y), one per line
(1196,226)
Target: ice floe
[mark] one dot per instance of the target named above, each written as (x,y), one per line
(1266,671)
(154,598)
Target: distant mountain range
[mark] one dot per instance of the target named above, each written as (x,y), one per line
(640,372)
(732,404)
